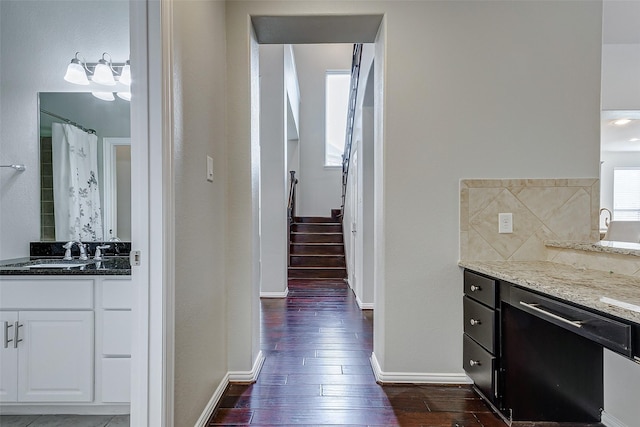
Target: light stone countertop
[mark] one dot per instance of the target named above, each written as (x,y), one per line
(579,286)
(604,246)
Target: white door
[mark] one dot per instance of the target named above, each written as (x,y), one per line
(55,357)
(8,358)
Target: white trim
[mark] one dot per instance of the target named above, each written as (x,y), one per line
(248,376)
(31,409)
(110,187)
(611,421)
(213,402)
(141,27)
(275,294)
(416,377)
(364,305)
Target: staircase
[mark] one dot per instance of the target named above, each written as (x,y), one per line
(316,249)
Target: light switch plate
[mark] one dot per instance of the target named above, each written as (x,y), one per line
(505,223)
(209,168)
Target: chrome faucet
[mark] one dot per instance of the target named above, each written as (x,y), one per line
(83,251)
(98,253)
(67,252)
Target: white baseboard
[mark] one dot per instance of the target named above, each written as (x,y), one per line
(364,305)
(275,294)
(235,376)
(213,402)
(416,377)
(611,421)
(248,376)
(64,408)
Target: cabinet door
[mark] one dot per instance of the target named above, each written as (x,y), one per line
(56,356)
(8,357)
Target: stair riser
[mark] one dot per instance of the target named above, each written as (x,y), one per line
(317,261)
(317,273)
(316,238)
(314,219)
(337,249)
(316,228)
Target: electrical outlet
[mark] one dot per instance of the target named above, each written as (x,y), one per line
(505,223)
(209,168)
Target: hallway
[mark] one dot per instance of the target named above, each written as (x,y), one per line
(317,345)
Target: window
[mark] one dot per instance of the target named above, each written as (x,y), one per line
(337,88)
(626,194)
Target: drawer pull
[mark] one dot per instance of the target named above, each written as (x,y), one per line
(475,288)
(475,322)
(16,336)
(474,362)
(7,340)
(534,307)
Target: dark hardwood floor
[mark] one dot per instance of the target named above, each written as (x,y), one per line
(317,344)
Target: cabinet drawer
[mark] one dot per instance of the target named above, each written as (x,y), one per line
(480,365)
(116,380)
(45,294)
(608,332)
(480,288)
(480,323)
(117,294)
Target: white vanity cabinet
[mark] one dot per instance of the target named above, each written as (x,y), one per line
(52,361)
(66,344)
(47,351)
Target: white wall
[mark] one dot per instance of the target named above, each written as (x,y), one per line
(620,70)
(472,89)
(201,326)
(37,36)
(320,188)
(273,171)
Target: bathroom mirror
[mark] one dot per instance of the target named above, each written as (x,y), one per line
(93,129)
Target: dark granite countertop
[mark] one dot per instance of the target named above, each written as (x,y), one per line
(37,266)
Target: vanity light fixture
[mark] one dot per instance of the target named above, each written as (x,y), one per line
(76,72)
(124,95)
(104,72)
(105,96)
(621,122)
(125,75)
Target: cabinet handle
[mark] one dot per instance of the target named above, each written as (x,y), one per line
(474,362)
(534,307)
(475,322)
(7,340)
(475,288)
(16,335)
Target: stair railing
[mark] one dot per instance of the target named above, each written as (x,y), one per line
(351,113)
(291,209)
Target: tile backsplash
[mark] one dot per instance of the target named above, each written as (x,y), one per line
(543,209)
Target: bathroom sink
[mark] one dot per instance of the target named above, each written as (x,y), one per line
(53,263)
(61,265)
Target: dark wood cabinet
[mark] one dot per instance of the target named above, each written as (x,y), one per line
(480,342)
(535,357)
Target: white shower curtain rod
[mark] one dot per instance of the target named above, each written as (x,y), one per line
(64,119)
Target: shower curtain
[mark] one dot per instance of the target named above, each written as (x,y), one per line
(76,194)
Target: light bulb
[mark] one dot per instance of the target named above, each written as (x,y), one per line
(105,96)
(125,76)
(76,73)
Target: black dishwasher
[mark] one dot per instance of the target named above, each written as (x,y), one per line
(552,366)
